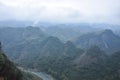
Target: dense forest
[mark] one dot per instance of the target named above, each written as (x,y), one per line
(93,55)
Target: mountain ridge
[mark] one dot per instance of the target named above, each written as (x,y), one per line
(106,40)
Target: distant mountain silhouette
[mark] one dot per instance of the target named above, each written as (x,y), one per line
(105,39)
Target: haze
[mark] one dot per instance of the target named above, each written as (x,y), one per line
(90,11)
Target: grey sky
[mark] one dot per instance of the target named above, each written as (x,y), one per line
(106,11)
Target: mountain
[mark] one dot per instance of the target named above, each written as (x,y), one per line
(32,47)
(105,39)
(50,55)
(50,48)
(67,32)
(15,23)
(8,34)
(91,56)
(14,36)
(9,71)
(114,28)
(93,64)
(113,65)
(70,31)
(64,61)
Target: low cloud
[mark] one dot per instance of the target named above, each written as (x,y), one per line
(61,10)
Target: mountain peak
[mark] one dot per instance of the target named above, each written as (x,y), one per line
(103,32)
(108,31)
(52,42)
(52,39)
(106,40)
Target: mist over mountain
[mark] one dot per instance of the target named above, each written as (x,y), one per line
(104,11)
(67,52)
(15,23)
(59,40)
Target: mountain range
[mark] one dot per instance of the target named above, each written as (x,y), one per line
(92,55)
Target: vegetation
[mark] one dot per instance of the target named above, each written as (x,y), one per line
(104,68)
(8,71)
(105,39)
(62,60)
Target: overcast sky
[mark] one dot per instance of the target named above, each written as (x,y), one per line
(106,11)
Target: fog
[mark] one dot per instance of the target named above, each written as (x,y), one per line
(90,11)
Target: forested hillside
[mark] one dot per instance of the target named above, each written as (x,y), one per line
(105,39)
(92,56)
(9,71)
(60,39)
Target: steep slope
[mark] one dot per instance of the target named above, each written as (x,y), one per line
(106,40)
(49,55)
(60,59)
(8,71)
(29,51)
(66,62)
(39,51)
(113,67)
(94,64)
(91,56)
